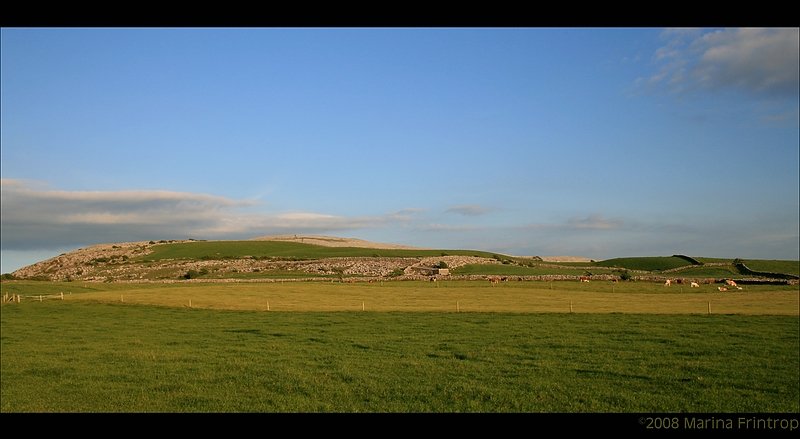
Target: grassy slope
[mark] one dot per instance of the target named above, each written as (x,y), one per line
(714,271)
(238,249)
(645,263)
(774,266)
(81,357)
(715,260)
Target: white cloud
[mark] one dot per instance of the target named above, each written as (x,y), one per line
(437,227)
(754,60)
(468,210)
(594,222)
(590,222)
(35,217)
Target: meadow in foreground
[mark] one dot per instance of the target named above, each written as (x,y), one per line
(87,357)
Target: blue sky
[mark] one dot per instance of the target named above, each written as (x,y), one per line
(591,142)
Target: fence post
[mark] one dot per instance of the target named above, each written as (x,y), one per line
(62,295)
(362,306)
(267,305)
(709,308)
(458,307)
(570,307)
(40,297)
(19,299)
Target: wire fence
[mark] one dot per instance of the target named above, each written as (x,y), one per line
(18,298)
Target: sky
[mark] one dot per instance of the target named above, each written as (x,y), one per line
(599,143)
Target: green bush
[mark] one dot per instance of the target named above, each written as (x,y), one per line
(194,274)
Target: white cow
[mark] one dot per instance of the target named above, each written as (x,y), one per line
(695,285)
(722,288)
(668,283)
(731,283)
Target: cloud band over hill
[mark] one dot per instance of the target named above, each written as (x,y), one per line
(35,217)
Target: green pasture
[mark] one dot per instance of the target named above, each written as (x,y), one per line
(78,356)
(654,263)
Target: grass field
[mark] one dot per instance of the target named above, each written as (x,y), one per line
(77,356)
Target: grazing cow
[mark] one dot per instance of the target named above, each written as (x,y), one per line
(695,285)
(739,288)
(433,279)
(494,279)
(730,282)
(584,278)
(668,283)
(504,279)
(722,288)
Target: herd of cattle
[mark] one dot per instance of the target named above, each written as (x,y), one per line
(729,282)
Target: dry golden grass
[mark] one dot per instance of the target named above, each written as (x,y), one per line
(518,297)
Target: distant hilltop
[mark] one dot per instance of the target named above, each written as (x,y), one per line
(565,259)
(333,241)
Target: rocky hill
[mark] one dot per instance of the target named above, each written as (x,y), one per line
(127,261)
(310,257)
